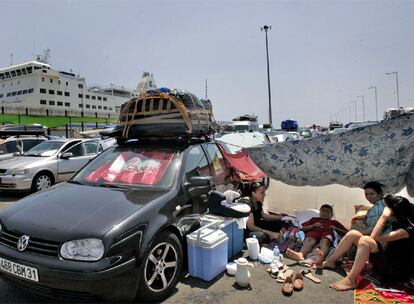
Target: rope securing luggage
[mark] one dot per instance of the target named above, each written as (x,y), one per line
(164,113)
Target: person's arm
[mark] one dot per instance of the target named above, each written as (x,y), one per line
(380,225)
(268,216)
(253,228)
(339,228)
(309,225)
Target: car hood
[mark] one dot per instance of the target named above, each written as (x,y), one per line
(20,161)
(70,211)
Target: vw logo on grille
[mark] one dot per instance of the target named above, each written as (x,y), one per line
(23,242)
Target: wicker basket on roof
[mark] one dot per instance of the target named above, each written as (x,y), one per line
(164,113)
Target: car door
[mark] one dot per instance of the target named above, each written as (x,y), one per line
(81,154)
(218,166)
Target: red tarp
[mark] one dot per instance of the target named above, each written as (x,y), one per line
(245,168)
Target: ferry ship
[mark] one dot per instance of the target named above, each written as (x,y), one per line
(35,88)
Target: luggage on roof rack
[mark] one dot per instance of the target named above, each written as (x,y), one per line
(164,113)
(15,130)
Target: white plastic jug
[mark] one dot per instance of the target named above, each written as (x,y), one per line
(243,273)
(253,248)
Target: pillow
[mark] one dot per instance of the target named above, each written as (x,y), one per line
(305,215)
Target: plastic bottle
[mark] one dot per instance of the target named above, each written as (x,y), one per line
(276,254)
(253,247)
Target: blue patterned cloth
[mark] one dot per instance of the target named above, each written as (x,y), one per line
(382,152)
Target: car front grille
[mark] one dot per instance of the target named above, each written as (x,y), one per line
(2,171)
(51,294)
(38,246)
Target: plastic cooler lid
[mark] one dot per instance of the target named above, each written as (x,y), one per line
(207,238)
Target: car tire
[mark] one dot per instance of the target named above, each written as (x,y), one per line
(42,181)
(161,268)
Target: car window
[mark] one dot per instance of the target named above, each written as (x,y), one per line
(8,147)
(91,147)
(196,163)
(30,143)
(131,166)
(76,150)
(217,163)
(46,148)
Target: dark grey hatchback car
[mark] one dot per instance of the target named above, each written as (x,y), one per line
(117,229)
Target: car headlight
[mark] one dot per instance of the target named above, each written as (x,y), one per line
(19,171)
(83,250)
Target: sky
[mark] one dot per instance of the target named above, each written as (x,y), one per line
(323,55)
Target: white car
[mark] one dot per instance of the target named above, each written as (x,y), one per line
(47,163)
(234,142)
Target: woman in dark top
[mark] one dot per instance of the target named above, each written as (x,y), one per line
(265,226)
(391,254)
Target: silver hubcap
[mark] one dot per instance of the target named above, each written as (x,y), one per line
(43,182)
(160,267)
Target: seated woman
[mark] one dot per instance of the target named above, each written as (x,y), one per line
(391,254)
(265,226)
(374,195)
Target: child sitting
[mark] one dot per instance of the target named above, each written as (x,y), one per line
(319,231)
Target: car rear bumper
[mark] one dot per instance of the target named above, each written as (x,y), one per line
(84,282)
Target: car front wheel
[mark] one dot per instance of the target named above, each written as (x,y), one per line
(41,182)
(161,268)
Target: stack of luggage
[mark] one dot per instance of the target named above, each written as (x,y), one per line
(164,113)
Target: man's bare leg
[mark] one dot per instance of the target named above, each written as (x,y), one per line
(307,247)
(322,251)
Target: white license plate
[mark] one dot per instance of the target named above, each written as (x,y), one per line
(19,270)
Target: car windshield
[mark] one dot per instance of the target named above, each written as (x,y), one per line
(130,166)
(46,148)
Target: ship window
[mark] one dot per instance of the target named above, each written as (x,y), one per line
(80,95)
(30,91)
(43,91)
(87,96)
(58,81)
(42,101)
(67,94)
(24,91)
(59,93)
(8,94)
(43,78)
(24,71)
(67,83)
(93,107)
(99,98)
(80,105)
(29,70)
(19,92)
(14,93)
(105,108)
(2,76)
(51,80)
(51,102)
(1,95)
(52,92)
(59,103)
(13,73)
(44,71)
(18,72)
(88,106)
(110,109)
(67,104)
(18,82)
(104,98)
(37,68)
(80,86)
(99,107)
(7,74)
(93,97)
(11,84)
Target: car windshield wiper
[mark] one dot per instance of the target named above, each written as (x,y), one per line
(30,154)
(112,186)
(76,182)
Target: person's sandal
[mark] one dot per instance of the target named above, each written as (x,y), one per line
(298,281)
(308,274)
(287,287)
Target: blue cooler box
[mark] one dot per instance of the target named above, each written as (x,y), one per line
(231,229)
(207,253)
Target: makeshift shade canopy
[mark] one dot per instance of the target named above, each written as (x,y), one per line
(383,152)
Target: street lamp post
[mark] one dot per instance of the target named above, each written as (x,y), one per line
(376,100)
(363,107)
(355,103)
(266,28)
(398,93)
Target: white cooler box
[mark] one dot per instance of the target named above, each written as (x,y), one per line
(207,253)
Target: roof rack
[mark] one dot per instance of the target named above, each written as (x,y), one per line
(17,130)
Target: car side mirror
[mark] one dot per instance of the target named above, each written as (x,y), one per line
(67,155)
(199,185)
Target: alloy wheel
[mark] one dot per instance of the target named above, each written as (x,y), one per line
(161,267)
